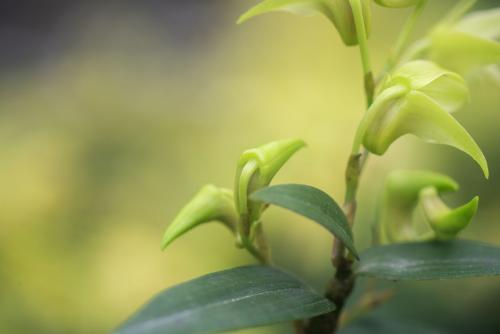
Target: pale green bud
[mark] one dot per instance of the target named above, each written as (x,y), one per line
(417,99)
(400,197)
(446,223)
(209,204)
(339,12)
(463,46)
(412,209)
(446,88)
(397,3)
(256,168)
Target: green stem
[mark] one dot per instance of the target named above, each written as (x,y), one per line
(458,11)
(258,254)
(262,244)
(405,35)
(364,50)
(342,283)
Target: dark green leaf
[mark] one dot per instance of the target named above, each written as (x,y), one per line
(312,203)
(228,300)
(374,325)
(430,260)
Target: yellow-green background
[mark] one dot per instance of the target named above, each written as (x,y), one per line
(105,136)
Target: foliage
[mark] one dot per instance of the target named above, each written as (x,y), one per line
(415,94)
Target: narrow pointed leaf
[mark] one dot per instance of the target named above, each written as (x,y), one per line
(228,300)
(434,260)
(380,325)
(312,203)
(300,7)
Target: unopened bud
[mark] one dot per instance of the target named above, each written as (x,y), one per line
(446,223)
(256,168)
(417,99)
(209,204)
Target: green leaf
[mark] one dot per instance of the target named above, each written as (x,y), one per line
(339,12)
(228,300)
(377,325)
(209,204)
(435,260)
(312,203)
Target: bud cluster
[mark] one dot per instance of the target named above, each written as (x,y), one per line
(413,210)
(256,168)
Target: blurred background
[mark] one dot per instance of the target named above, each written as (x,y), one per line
(114,113)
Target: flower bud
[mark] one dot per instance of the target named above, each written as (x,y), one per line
(401,194)
(339,12)
(446,88)
(417,99)
(446,223)
(463,46)
(209,204)
(397,3)
(256,168)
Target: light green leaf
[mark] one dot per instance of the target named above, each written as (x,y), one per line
(300,7)
(435,260)
(228,300)
(419,115)
(312,203)
(339,12)
(375,324)
(209,204)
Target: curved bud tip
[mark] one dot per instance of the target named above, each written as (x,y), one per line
(401,196)
(397,3)
(271,157)
(209,204)
(407,184)
(256,168)
(445,222)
